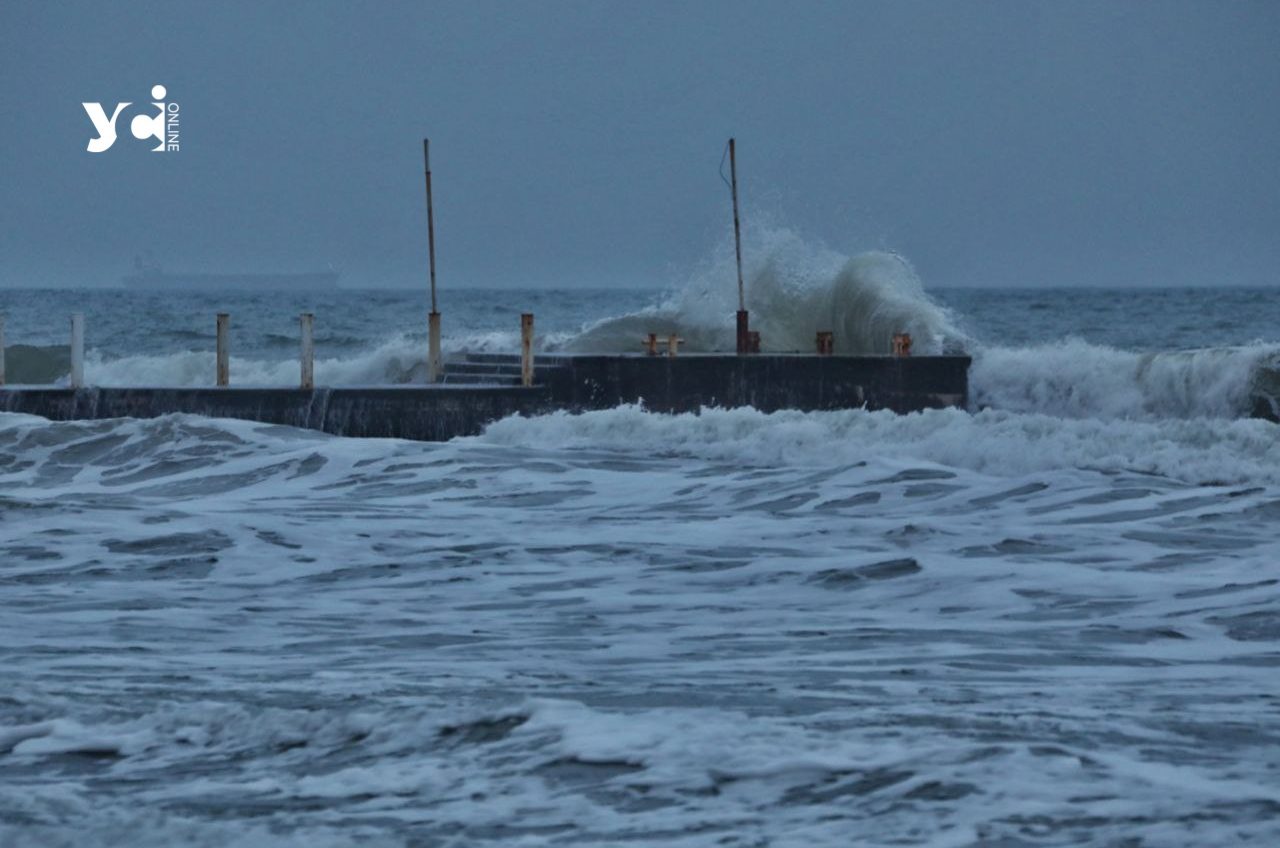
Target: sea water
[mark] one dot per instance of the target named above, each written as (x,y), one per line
(1050,619)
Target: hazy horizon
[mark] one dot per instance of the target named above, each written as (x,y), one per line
(578,145)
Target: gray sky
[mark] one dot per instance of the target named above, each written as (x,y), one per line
(992,143)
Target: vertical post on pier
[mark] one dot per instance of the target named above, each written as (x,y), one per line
(307,322)
(434,367)
(224,351)
(77,350)
(526,349)
(433,320)
(1,348)
(744,345)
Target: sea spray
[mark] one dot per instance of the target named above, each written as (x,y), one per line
(796,287)
(1196,451)
(1075,379)
(623,627)
(794,290)
(398,360)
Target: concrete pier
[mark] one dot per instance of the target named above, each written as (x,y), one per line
(482,388)
(426,413)
(768,382)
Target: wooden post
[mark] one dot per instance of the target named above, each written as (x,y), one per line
(434,368)
(77,350)
(224,353)
(1,348)
(743,320)
(673,345)
(307,322)
(826,343)
(526,349)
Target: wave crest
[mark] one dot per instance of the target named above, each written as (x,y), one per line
(1075,379)
(794,289)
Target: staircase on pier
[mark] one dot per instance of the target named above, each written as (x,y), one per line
(496,369)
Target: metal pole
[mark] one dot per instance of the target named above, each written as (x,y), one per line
(433,320)
(1,348)
(224,353)
(434,367)
(77,350)
(526,349)
(743,320)
(307,320)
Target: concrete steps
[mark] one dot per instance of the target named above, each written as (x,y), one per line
(494,369)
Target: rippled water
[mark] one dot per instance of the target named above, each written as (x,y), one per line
(621,628)
(1052,619)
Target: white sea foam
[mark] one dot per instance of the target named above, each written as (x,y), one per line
(1071,379)
(930,629)
(401,359)
(1048,621)
(794,289)
(1074,379)
(992,442)
(394,361)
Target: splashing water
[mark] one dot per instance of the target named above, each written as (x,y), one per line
(1074,379)
(794,289)
(797,288)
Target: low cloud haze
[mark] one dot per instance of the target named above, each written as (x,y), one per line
(573,144)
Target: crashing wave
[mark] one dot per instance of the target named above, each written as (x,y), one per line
(793,290)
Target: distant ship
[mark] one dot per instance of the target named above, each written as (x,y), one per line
(148,275)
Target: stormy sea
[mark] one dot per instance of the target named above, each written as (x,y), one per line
(1050,619)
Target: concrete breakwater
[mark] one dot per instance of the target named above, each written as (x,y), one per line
(478,389)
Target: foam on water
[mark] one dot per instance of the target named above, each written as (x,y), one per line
(1049,620)
(793,289)
(398,360)
(1074,379)
(937,629)
(796,288)
(993,442)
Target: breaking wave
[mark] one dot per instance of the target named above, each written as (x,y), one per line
(398,360)
(796,288)
(1075,379)
(1005,444)
(793,290)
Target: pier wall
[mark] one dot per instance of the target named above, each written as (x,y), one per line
(768,382)
(572,383)
(426,413)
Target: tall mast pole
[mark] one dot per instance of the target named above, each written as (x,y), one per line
(744,343)
(433,320)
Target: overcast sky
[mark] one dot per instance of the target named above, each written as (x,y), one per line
(992,143)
